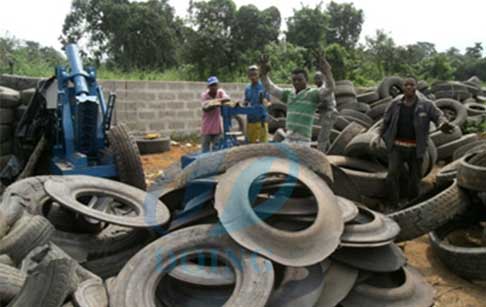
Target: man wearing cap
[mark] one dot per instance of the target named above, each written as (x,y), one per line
(211,119)
(255,94)
(405,131)
(303,101)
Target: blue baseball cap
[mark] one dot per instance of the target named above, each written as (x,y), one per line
(213,80)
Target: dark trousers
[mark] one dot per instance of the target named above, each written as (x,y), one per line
(412,174)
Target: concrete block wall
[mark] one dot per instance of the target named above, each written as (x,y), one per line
(169,108)
(165,107)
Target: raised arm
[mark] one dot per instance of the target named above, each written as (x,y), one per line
(326,93)
(269,86)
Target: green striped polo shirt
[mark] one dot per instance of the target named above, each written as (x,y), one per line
(301,108)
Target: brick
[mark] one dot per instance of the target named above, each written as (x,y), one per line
(136,85)
(185,114)
(140,96)
(193,105)
(155,105)
(156,85)
(157,126)
(167,114)
(175,105)
(176,125)
(146,115)
(193,124)
(141,126)
(186,96)
(177,86)
(167,96)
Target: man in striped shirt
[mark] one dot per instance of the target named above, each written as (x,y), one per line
(303,101)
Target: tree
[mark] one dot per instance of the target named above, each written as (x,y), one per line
(381,48)
(475,52)
(338,58)
(307,27)
(437,67)
(285,57)
(141,35)
(345,23)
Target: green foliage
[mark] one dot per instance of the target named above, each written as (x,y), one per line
(307,27)
(437,67)
(284,57)
(345,23)
(475,127)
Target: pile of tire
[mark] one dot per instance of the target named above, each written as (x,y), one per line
(12,105)
(461,243)
(255,225)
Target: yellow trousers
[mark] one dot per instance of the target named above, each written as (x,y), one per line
(256,133)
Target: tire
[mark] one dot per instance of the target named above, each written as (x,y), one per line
(278,110)
(467,262)
(11,282)
(6,133)
(357,115)
(341,123)
(218,162)
(344,88)
(452,90)
(471,147)
(377,112)
(440,138)
(49,285)
(127,157)
(26,96)
(7,116)
(475,108)
(4,160)
(350,132)
(137,282)
(391,86)
(6,260)
(345,101)
(369,97)
(153,146)
(91,293)
(457,111)
(448,173)
(9,98)
(471,173)
(276,123)
(360,147)
(425,216)
(26,234)
(446,151)
(19,112)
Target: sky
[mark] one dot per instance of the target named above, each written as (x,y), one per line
(445,23)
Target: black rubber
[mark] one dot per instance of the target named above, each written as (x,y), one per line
(440,138)
(455,111)
(11,281)
(137,283)
(344,88)
(49,285)
(6,148)
(153,146)
(5,133)
(467,262)
(471,173)
(357,116)
(26,95)
(471,147)
(127,157)
(430,211)
(475,108)
(377,111)
(369,97)
(345,137)
(446,151)
(7,116)
(26,234)
(390,86)
(341,123)
(91,293)
(278,110)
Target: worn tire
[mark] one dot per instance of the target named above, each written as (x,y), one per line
(347,135)
(26,95)
(431,213)
(49,285)
(6,148)
(446,151)
(11,282)
(7,116)
(475,108)
(453,107)
(440,138)
(91,293)
(153,146)
(467,262)
(357,115)
(390,86)
(471,147)
(448,173)
(278,110)
(26,234)
(137,282)
(9,98)
(341,123)
(127,157)
(369,97)
(276,123)
(471,173)
(344,88)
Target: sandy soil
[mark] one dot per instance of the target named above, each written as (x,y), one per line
(450,290)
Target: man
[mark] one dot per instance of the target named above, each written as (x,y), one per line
(405,131)
(303,102)
(211,119)
(255,94)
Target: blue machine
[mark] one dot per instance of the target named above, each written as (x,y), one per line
(83,118)
(229,140)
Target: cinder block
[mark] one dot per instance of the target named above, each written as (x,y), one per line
(175,105)
(157,126)
(193,105)
(146,115)
(186,96)
(167,114)
(167,96)
(176,125)
(156,85)
(176,86)
(186,114)
(136,85)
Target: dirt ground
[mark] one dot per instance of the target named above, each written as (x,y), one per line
(450,290)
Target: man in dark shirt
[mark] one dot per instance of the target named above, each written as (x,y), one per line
(405,130)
